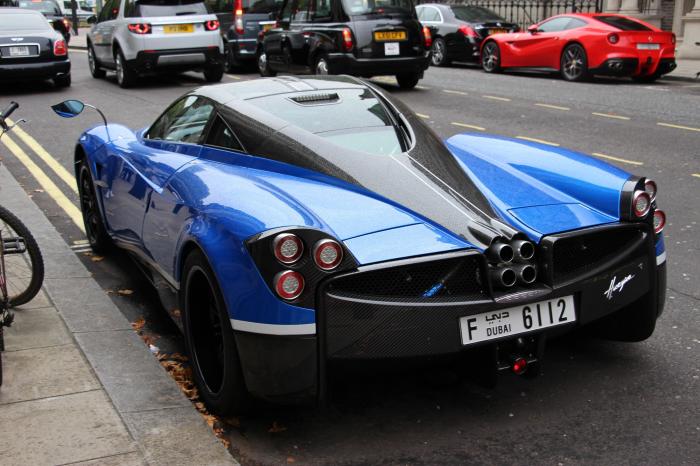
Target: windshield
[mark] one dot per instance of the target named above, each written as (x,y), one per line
(39,5)
(473,14)
(623,24)
(23,22)
(364,7)
(154,8)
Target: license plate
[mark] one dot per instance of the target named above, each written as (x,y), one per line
(178,28)
(516,320)
(19,51)
(497,31)
(648,46)
(381,36)
(391,48)
(267,26)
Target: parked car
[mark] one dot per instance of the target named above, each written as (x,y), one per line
(52,11)
(81,13)
(580,45)
(295,239)
(139,37)
(458,30)
(358,37)
(31,49)
(241,23)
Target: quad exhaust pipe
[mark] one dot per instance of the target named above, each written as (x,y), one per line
(504,277)
(526,273)
(523,250)
(500,252)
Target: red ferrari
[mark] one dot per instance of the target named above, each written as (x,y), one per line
(579,45)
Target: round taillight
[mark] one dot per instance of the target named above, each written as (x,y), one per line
(650,188)
(520,366)
(659,221)
(641,203)
(288,248)
(289,284)
(328,254)
(613,38)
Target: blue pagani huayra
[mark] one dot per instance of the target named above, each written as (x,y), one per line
(302,222)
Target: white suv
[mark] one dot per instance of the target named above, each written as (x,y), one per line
(134,37)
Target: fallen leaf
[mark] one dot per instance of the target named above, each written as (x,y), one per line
(125,292)
(96,258)
(276,428)
(138,324)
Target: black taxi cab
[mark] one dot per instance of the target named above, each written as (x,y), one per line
(358,37)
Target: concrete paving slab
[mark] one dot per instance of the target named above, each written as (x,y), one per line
(61,430)
(41,300)
(36,328)
(174,436)
(64,264)
(41,373)
(128,459)
(132,375)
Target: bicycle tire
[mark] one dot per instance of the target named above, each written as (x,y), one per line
(34,254)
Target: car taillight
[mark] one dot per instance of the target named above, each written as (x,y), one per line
(659,221)
(59,48)
(650,189)
(328,254)
(347,40)
(467,31)
(613,38)
(212,25)
(238,16)
(287,248)
(140,28)
(641,203)
(427,37)
(289,284)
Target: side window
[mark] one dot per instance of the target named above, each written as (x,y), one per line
(419,12)
(320,11)
(432,14)
(576,23)
(114,10)
(554,25)
(182,122)
(300,13)
(130,9)
(220,135)
(105,11)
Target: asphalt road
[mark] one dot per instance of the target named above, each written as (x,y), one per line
(596,402)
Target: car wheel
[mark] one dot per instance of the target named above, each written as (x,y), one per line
(491,58)
(574,64)
(214,74)
(96,233)
(125,75)
(264,66)
(62,81)
(321,65)
(232,64)
(408,80)
(94,65)
(210,340)
(439,53)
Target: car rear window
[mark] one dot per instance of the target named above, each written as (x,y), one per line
(248,6)
(368,7)
(473,14)
(622,23)
(153,8)
(23,22)
(44,6)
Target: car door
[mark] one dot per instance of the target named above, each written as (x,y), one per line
(102,33)
(136,169)
(535,48)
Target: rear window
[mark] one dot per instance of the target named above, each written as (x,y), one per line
(50,8)
(368,7)
(475,14)
(622,23)
(153,8)
(365,125)
(248,6)
(23,22)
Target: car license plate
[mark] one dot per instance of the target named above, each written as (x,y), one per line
(381,36)
(19,51)
(648,46)
(391,48)
(497,31)
(267,26)
(178,28)
(516,320)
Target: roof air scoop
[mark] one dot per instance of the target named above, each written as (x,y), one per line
(317,98)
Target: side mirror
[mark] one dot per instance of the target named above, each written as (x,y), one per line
(68,108)
(92,19)
(533,29)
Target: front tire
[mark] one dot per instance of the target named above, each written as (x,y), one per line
(574,63)
(94,65)
(439,53)
(321,66)
(407,81)
(214,74)
(125,75)
(491,58)
(210,340)
(96,233)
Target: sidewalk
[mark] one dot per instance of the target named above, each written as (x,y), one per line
(79,386)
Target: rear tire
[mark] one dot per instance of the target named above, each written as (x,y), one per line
(321,65)
(264,66)
(439,53)
(125,75)
(62,81)
(573,64)
(210,340)
(491,58)
(27,293)
(96,233)
(214,74)
(95,70)
(408,80)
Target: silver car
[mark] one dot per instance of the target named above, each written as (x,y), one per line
(136,37)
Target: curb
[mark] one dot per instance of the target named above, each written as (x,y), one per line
(77,47)
(162,421)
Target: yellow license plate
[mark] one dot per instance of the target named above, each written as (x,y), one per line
(389,35)
(267,27)
(178,28)
(497,31)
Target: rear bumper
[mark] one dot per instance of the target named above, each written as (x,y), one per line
(243,49)
(346,63)
(177,59)
(41,70)
(633,66)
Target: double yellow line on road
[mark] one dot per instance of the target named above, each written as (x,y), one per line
(41,177)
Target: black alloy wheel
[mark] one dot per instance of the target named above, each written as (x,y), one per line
(491,58)
(574,63)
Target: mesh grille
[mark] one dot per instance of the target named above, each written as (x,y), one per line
(443,280)
(575,254)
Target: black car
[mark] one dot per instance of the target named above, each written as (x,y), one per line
(357,37)
(459,29)
(52,11)
(241,23)
(31,49)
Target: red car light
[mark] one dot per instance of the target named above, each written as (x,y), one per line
(212,25)
(613,38)
(66,23)
(287,248)
(427,37)
(289,284)
(650,188)
(140,28)
(328,254)
(467,31)
(659,221)
(347,40)
(59,48)
(641,203)
(520,366)
(238,16)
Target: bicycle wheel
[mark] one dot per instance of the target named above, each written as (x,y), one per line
(24,266)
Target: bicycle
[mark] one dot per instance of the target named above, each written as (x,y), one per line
(21,263)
